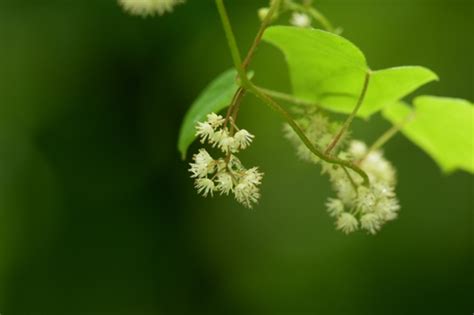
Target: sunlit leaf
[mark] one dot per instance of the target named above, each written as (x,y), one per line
(216,96)
(328,69)
(443,127)
(386,87)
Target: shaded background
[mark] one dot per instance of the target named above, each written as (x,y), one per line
(97,211)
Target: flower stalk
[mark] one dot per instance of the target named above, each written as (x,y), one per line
(351,117)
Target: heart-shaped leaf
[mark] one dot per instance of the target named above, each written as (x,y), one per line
(330,70)
(443,127)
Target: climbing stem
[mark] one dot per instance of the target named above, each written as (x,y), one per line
(242,67)
(267,100)
(351,117)
(247,85)
(314,13)
(351,180)
(263,26)
(288,98)
(231,41)
(388,135)
(234,49)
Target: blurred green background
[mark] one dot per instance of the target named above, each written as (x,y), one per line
(99,216)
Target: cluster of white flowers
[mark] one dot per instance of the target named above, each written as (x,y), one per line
(300,20)
(367,208)
(319,130)
(224,175)
(355,206)
(149,7)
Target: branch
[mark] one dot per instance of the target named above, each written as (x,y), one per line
(351,117)
(315,14)
(288,98)
(286,116)
(234,49)
(388,135)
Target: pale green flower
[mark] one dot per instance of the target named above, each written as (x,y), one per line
(149,7)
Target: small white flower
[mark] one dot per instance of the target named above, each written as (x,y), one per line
(387,209)
(246,194)
(243,139)
(374,157)
(226,143)
(218,136)
(378,168)
(357,149)
(344,190)
(205,131)
(365,200)
(149,7)
(215,120)
(204,186)
(347,223)
(300,20)
(370,222)
(262,13)
(224,183)
(253,176)
(203,164)
(382,190)
(335,207)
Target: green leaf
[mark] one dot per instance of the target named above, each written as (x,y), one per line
(385,87)
(330,70)
(443,127)
(215,97)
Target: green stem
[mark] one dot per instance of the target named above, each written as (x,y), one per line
(387,136)
(288,98)
(248,85)
(315,14)
(234,49)
(353,183)
(265,23)
(318,16)
(351,117)
(286,116)
(242,67)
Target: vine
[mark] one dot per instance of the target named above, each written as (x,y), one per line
(363,179)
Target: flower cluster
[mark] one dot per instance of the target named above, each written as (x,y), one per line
(300,20)
(355,206)
(149,7)
(319,130)
(224,175)
(360,207)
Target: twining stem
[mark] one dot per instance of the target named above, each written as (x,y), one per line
(234,49)
(351,117)
(351,180)
(242,67)
(315,14)
(286,116)
(387,136)
(288,98)
(265,23)
(231,113)
(246,84)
